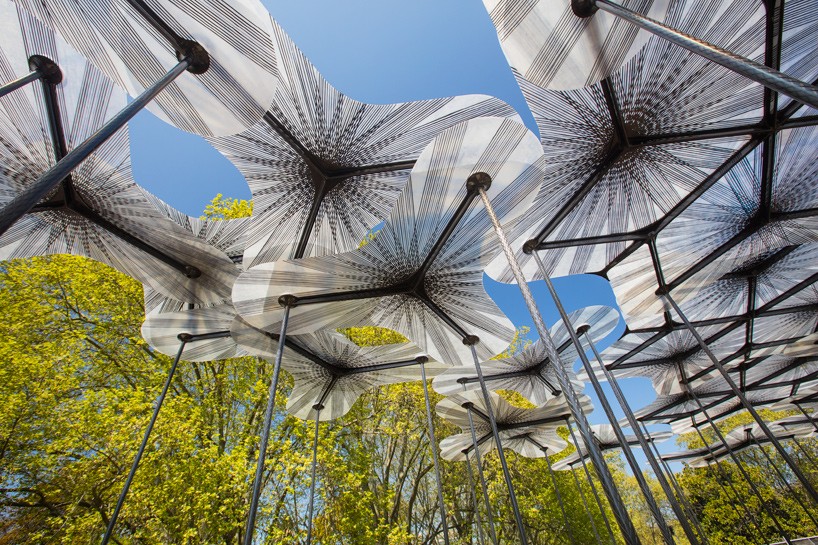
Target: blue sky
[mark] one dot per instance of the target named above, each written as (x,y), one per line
(379,52)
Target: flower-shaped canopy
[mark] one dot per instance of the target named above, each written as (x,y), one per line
(660,357)
(742,228)
(683,412)
(530,373)
(422,274)
(632,151)
(738,439)
(135,50)
(209,327)
(98,211)
(606,439)
(323,168)
(526,431)
(332,372)
(549,46)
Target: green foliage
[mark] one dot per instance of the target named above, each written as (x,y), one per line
(227,208)
(78,385)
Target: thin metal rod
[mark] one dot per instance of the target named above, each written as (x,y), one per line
(478,458)
(585,503)
(805,453)
(691,514)
(559,498)
(591,484)
(757,72)
(605,477)
(518,519)
(265,432)
(312,473)
(157,405)
(745,402)
(20,82)
(806,415)
(481,539)
(783,478)
(730,451)
(736,498)
(637,430)
(433,445)
(27,199)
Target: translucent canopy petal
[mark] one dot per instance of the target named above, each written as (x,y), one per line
(447,301)
(526,431)
(229,97)
(530,373)
(329,168)
(99,211)
(332,372)
(163,330)
(606,440)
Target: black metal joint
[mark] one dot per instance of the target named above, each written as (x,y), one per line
(583,8)
(582,329)
(477,181)
(471,340)
(192,272)
(421,359)
(288,300)
(197,55)
(49,70)
(185,337)
(318,407)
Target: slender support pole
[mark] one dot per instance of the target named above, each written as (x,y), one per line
(20,82)
(481,539)
(591,484)
(805,453)
(265,430)
(783,478)
(310,508)
(691,514)
(585,503)
(730,451)
(736,498)
(183,338)
(478,458)
(744,401)
(518,519)
(757,72)
(559,498)
(807,415)
(27,199)
(605,477)
(643,441)
(433,446)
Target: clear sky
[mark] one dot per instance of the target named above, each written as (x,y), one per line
(381,52)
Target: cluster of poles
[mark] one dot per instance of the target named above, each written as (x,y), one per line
(282,295)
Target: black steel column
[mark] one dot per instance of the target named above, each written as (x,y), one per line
(479,460)
(617,505)
(265,431)
(310,507)
(33,194)
(559,497)
(764,75)
(433,446)
(479,522)
(744,401)
(518,519)
(591,484)
(183,338)
(637,430)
